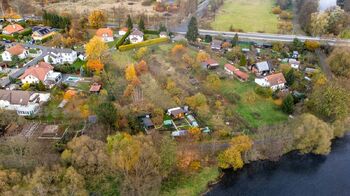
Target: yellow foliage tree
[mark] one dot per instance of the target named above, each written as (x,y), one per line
(97,19)
(195,133)
(312,45)
(68,95)
(95,48)
(178,50)
(202,56)
(130,73)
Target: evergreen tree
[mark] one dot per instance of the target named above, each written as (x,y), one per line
(235,40)
(192,32)
(142,24)
(243,60)
(162,28)
(290,77)
(288,104)
(129,23)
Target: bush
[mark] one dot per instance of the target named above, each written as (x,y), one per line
(264,92)
(142,44)
(286,15)
(276,10)
(233,97)
(152,32)
(26,31)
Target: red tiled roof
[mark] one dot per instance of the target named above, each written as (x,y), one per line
(39,71)
(211,62)
(16,50)
(13,28)
(241,74)
(276,79)
(230,67)
(95,87)
(104,31)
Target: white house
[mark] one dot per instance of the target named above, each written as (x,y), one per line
(123,31)
(41,72)
(294,63)
(61,56)
(163,34)
(274,81)
(17,50)
(40,33)
(136,36)
(106,34)
(25,103)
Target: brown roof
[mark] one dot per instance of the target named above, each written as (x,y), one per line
(16,50)
(230,67)
(95,87)
(104,31)
(15,97)
(13,28)
(241,74)
(212,62)
(39,71)
(276,79)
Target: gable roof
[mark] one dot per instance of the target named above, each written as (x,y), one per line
(15,97)
(125,29)
(39,71)
(241,74)
(42,31)
(230,67)
(212,62)
(136,32)
(13,28)
(16,49)
(95,87)
(263,66)
(276,79)
(104,31)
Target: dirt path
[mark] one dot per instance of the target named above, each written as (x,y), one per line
(324,65)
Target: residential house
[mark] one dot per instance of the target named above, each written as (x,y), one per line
(40,33)
(295,55)
(11,29)
(147,123)
(163,34)
(95,88)
(210,64)
(216,45)
(176,113)
(136,36)
(41,72)
(25,103)
(262,68)
(106,34)
(61,56)
(230,69)
(274,81)
(16,50)
(294,63)
(123,31)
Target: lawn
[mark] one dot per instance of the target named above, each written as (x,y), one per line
(191,185)
(256,110)
(248,15)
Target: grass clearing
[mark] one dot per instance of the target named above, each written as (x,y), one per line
(248,15)
(192,185)
(256,110)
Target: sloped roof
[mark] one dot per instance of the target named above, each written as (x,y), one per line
(13,28)
(95,87)
(276,79)
(230,67)
(263,66)
(104,31)
(16,49)
(39,71)
(15,97)
(241,74)
(137,32)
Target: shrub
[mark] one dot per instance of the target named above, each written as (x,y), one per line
(142,44)
(276,10)
(26,31)
(264,92)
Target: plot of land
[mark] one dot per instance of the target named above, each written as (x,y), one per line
(248,15)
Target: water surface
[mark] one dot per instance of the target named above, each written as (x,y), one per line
(293,175)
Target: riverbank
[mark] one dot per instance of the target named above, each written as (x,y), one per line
(293,174)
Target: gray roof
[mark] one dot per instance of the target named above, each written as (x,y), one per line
(61,50)
(263,66)
(147,122)
(15,97)
(136,32)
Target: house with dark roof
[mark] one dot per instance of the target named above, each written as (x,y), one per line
(60,56)
(210,64)
(216,45)
(176,113)
(262,68)
(16,50)
(136,36)
(25,103)
(40,33)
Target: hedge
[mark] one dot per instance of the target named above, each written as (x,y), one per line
(153,32)
(26,31)
(122,39)
(7,37)
(142,44)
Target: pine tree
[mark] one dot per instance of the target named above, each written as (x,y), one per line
(235,40)
(243,60)
(142,24)
(290,77)
(129,23)
(192,32)
(288,104)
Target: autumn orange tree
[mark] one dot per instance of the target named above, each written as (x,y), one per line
(232,157)
(141,67)
(95,48)
(178,50)
(130,73)
(95,65)
(97,19)
(202,56)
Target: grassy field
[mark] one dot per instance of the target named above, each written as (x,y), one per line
(192,185)
(256,110)
(248,15)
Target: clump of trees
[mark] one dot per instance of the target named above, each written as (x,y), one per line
(55,20)
(339,61)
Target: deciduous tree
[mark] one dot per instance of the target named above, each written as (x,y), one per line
(97,19)
(96,48)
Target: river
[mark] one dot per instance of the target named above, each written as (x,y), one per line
(293,175)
